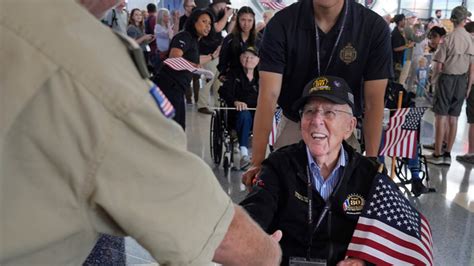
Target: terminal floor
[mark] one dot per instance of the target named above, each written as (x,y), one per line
(450,210)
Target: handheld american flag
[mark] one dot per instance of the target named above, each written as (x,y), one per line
(389,230)
(181,64)
(276,121)
(401,135)
(272,5)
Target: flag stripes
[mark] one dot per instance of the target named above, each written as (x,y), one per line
(380,236)
(163,103)
(276,121)
(273,5)
(179,64)
(401,136)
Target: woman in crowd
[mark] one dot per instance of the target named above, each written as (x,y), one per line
(163,31)
(399,45)
(135,29)
(243,35)
(185,44)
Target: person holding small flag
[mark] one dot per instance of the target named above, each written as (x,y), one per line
(173,82)
(315,191)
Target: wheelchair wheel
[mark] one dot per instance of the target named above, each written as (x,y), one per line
(401,170)
(226,164)
(216,140)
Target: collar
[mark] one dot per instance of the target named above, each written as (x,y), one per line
(342,161)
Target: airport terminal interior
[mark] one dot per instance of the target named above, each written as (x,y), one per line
(449,210)
(449,206)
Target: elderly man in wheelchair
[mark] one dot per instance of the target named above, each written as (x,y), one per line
(240,90)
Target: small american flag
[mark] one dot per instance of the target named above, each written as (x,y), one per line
(179,64)
(401,135)
(276,121)
(273,5)
(389,230)
(163,103)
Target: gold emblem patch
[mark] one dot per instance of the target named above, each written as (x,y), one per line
(353,204)
(320,84)
(348,54)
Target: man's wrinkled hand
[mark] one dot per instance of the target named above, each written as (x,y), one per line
(250,175)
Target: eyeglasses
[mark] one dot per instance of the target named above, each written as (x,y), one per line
(326,114)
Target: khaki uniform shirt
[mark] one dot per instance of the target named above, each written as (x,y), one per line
(85,149)
(456,52)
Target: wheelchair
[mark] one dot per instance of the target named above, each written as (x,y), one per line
(402,168)
(222,140)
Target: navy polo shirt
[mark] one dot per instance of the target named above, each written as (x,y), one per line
(187,43)
(289,47)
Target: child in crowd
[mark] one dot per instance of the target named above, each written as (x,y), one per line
(421,78)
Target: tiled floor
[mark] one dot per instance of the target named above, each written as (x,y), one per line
(449,210)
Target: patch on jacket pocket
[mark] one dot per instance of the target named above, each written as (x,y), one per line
(301,197)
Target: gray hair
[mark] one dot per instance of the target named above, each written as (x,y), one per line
(160,14)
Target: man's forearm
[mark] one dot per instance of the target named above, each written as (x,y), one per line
(372,125)
(245,243)
(270,84)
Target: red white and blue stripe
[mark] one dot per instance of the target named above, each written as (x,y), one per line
(163,103)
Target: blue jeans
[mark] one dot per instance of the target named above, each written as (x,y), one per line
(243,127)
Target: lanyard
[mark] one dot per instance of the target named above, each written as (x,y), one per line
(327,208)
(335,45)
(310,212)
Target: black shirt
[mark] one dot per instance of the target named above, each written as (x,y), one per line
(238,87)
(397,41)
(182,20)
(289,48)
(229,57)
(209,44)
(189,45)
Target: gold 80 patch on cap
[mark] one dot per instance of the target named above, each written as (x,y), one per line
(320,84)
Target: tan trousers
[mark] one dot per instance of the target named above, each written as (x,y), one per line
(214,83)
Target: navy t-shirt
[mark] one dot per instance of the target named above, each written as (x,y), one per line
(289,48)
(397,41)
(189,45)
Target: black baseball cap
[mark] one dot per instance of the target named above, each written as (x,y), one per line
(332,88)
(221,1)
(251,49)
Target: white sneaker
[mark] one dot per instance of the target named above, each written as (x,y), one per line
(435,159)
(244,162)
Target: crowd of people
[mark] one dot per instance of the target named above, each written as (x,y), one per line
(110,164)
(436,66)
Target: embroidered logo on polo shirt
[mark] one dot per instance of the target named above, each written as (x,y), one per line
(353,204)
(348,54)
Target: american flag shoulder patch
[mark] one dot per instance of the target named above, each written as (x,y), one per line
(163,103)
